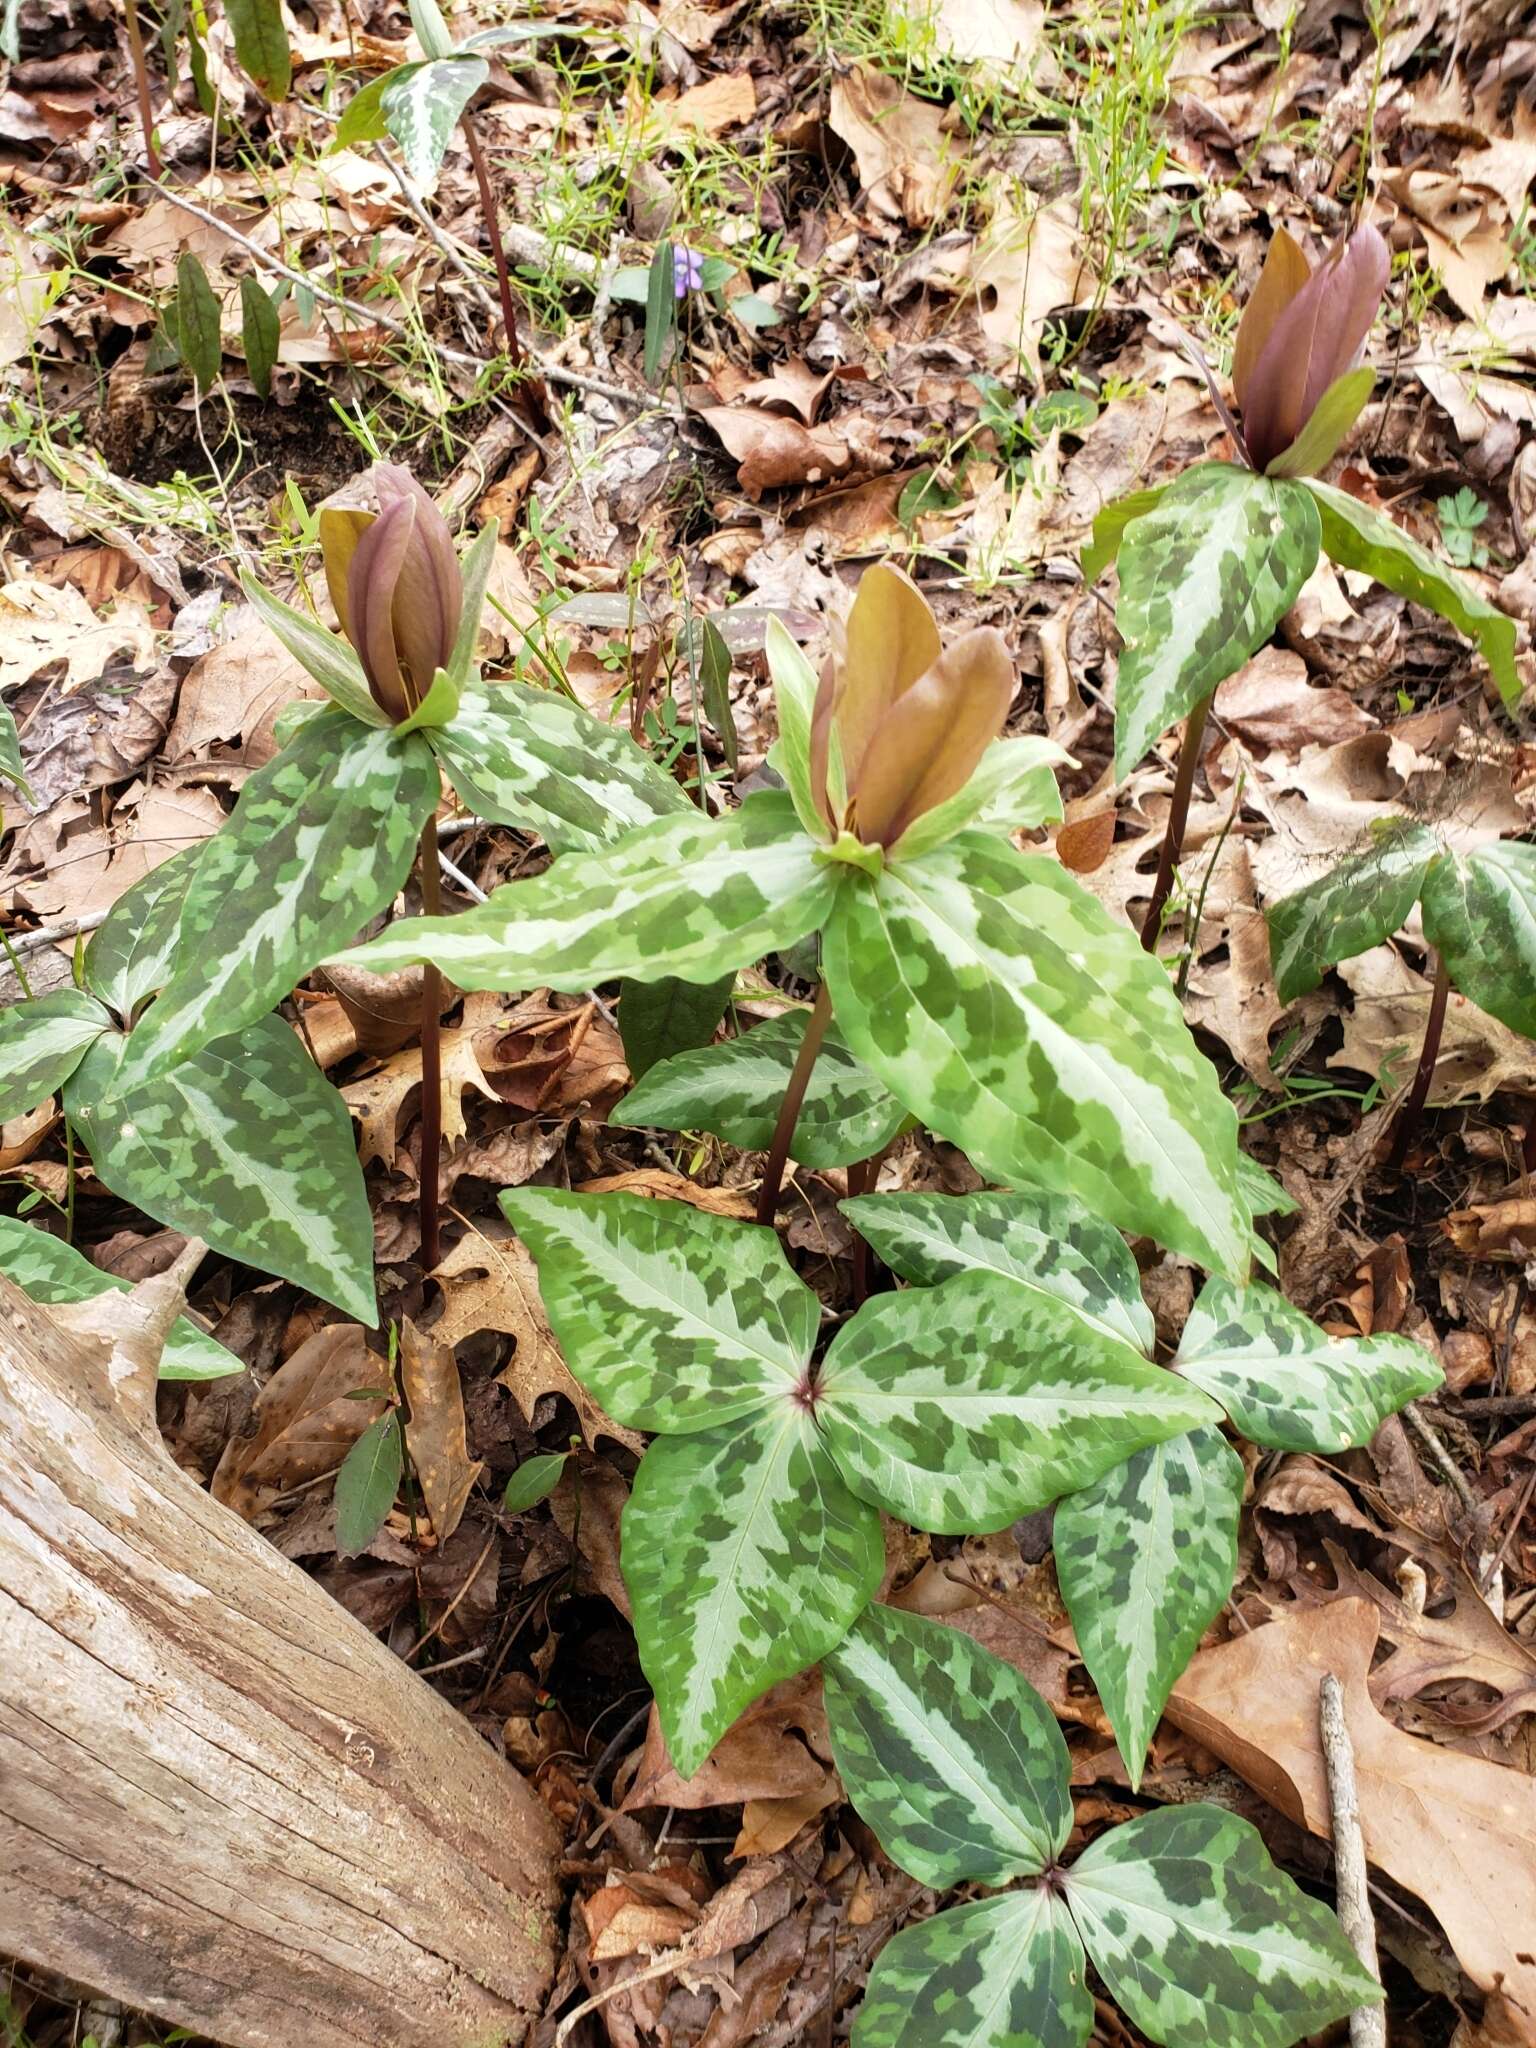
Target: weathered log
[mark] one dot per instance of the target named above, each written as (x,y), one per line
(221,1799)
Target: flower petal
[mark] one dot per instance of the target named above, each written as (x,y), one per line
(891,640)
(429,592)
(1285,272)
(1355,277)
(929,743)
(372,575)
(341,528)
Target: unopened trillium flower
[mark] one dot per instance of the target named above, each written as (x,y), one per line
(395,581)
(1296,369)
(899,723)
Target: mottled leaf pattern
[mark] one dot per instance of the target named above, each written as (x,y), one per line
(1013,790)
(1109,526)
(52,1271)
(319,652)
(1046,1242)
(1006,1008)
(999,1973)
(132,954)
(1145,1558)
(319,843)
(1205,577)
(670,1318)
(963,1406)
(421,106)
(42,1041)
(527,757)
(951,1756)
(691,897)
(735,1089)
(794,689)
(1287,1384)
(245,1145)
(1204,1943)
(1480,916)
(1357,538)
(746,1559)
(1353,907)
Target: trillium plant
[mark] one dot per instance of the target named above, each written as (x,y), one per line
(1210,563)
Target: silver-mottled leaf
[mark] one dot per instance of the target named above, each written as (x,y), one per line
(42,1041)
(998,1973)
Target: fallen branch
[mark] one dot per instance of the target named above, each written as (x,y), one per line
(1367,2023)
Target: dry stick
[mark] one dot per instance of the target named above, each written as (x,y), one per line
(533,385)
(789,1108)
(431,1060)
(1413,1108)
(1173,836)
(1367,2023)
(141,82)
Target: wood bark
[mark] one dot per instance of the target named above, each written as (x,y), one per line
(221,1800)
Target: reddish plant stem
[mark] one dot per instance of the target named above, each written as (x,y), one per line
(1413,1108)
(1529,1155)
(431,1058)
(1173,837)
(534,386)
(789,1108)
(141,83)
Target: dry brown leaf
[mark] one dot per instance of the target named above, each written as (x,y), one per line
(778,1749)
(672,1187)
(305,1419)
(1271,703)
(1032,264)
(995,35)
(1455,1830)
(621,1924)
(234,692)
(1479,1056)
(1011,1608)
(42,623)
(434,1429)
(768,1825)
(489,1282)
(908,162)
(87,866)
(725,101)
(771,450)
(1493,1230)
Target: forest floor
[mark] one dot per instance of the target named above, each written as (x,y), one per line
(954,256)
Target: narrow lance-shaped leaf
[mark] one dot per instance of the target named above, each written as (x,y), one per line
(366,1484)
(259,333)
(953,1759)
(958,1408)
(133,953)
(1286,1383)
(1146,1557)
(746,1558)
(196,325)
(319,652)
(736,1089)
(794,691)
(999,1973)
(261,44)
(1046,1242)
(660,309)
(1480,916)
(1005,1007)
(1013,789)
(246,1145)
(42,1041)
(1204,1943)
(1356,905)
(53,1272)
(670,1318)
(1205,577)
(690,897)
(1109,529)
(319,843)
(1356,537)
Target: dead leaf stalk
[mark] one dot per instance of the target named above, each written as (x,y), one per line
(1367,2023)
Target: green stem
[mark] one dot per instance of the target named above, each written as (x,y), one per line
(431,1059)
(1413,1108)
(141,82)
(17,969)
(789,1108)
(1173,837)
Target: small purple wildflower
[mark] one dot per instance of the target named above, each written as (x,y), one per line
(687,271)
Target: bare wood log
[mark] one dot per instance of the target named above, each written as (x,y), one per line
(221,1799)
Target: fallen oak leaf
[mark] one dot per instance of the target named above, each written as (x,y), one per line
(771,450)
(434,1428)
(664,1187)
(908,162)
(307,1417)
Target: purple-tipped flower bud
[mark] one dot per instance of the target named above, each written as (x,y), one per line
(395,582)
(1304,330)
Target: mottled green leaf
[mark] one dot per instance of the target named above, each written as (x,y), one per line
(319,843)
(692,897)
(42,1041)
(366,1484)
(953,1759)
(998,1973)
(1205,577)
(1046,1242)
(1203,1941)
(1145,1558)
(659,1019)
(53,1272)
(196,321)
(475,570)
(1261,1191)
(1353,907)
(246,1145)
(736,1089)
(432,31)
(961,1407)
(1005,1007)
(1289,1385)
(1330,420)
(794,693)
(12,767)
(527,757)
(261,44)
(131,955)
(671,1318)
(534,1480)
(421,105)
(1357,538)
(319,652)
(259,332)
(1109,528)
(1480,916)
(1013,790)
(746,1559)
(363,118)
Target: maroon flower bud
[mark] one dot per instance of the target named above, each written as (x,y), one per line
(395,582)
(1302,335)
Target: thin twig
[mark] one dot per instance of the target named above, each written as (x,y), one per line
(24,943)
(1367,2023)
